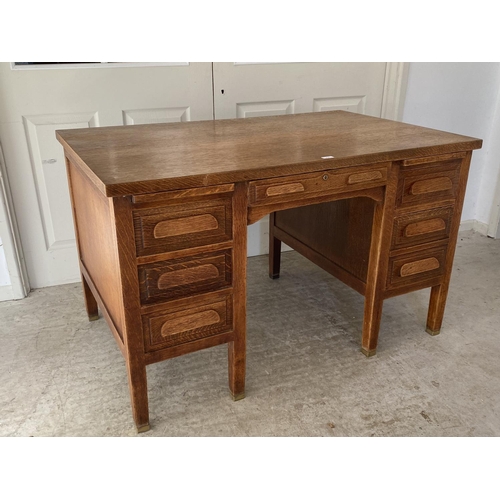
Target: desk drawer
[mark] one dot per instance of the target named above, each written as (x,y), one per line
(272,191)
(176,227)
(421,227)
(184,277)
(415,267)
(425,184)
(207,318)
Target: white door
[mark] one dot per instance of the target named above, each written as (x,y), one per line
(36,102)
(243,90)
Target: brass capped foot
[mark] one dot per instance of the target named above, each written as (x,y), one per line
(237,397)
(94,317)
(368,353)
(433,332)
(143,428)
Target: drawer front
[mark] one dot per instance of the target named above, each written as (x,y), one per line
(433,182)
(309,185)
(176,227)
(415,267)
(163,330)
(183,277)
(421,227)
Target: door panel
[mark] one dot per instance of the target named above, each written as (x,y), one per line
(49,172)
(243,90)
(156,115)
(35,103)
(255,89)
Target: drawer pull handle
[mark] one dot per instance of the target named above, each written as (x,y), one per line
(185,225)
(189,322)
(187,276)
(431,185)
(364,177)
(419,266)
(296,187)
(425,226)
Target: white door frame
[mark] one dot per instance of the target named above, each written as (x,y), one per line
(494,222)
(494,155)
(9,233)
(396,81)
(396,78)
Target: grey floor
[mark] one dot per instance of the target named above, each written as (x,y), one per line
(63,376)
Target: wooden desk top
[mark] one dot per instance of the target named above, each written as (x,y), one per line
(137,159)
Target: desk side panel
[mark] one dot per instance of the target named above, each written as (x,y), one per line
(94,230)
(340,231)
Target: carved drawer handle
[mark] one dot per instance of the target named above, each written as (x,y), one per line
(431,185)
(187,276)
(424,227)
(296,187)
(364,177)
(185,225)
(419,266)
(189,322)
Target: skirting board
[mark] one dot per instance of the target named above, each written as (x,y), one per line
(474,225)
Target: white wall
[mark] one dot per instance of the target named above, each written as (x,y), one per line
(4,273)
(463,98)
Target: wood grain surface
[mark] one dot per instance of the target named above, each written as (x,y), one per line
(422,226)
(295,187)
(416,266)
(179,226)
(185,276)
(97,246)
(165,328)
(149,158)
(425,227)
(419,266)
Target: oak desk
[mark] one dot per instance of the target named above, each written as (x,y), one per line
(161,214)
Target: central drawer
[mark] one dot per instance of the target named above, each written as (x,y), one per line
(297,187)
(183,277)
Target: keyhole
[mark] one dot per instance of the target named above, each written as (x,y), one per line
(222,91)
(325,177)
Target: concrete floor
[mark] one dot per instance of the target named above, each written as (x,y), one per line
(63,376)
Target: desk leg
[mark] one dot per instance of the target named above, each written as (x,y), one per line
(132,336)
(374,293)
(437,304)
(90,302)
(371,325)
(237,348)
(138,387)
(439,293)
(274,250)
(383,220)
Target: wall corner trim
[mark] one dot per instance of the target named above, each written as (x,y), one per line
(393,99)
